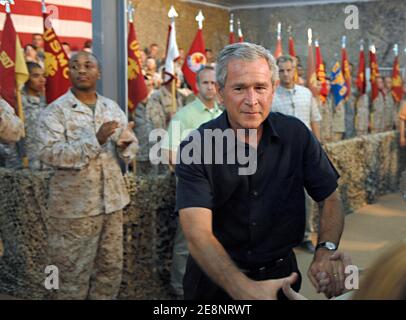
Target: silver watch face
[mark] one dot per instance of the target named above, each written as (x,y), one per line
(330,246)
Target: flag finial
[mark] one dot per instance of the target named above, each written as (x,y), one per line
(310,36)
(396,49)
(200,19)
(239,28)
(172,14)
(131,11)
(7,4)
(44,6)
(343,41)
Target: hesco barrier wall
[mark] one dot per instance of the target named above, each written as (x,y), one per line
(369,166)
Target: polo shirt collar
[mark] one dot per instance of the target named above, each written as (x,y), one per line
(202,107)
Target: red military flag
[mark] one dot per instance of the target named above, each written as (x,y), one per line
(361,81)
(374,72)
(13,70)
(292,51)
(231,38)
(196,57)
(278,51)
(397,91)
(137,89)
(321,73)
(311,68)
(56,62)
(345,64)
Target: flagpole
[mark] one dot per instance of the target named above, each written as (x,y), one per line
(172,15)
(130,11)
(20,109)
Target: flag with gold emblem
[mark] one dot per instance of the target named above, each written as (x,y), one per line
(374,73)
(13,70)
(345,65)
(361,81)
(56,63)
(137,89)
(321,73)
(338,85)
(397,91)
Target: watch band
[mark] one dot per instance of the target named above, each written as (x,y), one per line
(327,245)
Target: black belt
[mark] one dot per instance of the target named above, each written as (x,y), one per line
(266,266)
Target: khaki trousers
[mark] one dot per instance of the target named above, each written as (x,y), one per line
(88,253)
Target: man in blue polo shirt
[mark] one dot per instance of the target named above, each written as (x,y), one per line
(241,229)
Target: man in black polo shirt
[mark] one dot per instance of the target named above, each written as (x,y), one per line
(241,228)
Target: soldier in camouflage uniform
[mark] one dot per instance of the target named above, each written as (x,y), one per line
(33,103)
(338,121)
(326,111)
(81,135)
(142,129)
(377,114)
(350,113)
(159,112)
(390,105)
(159,109)
(362,115)
(11,132)
(11,127)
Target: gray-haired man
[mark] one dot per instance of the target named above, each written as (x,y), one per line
(241,228)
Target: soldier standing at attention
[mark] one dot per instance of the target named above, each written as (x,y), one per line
(326,111)
(33,103)
(81,135)
(159,110)
(378,109)
(390,104)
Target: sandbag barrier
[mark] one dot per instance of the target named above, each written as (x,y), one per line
(369,166)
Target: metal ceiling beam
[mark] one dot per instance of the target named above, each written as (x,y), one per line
(275,4)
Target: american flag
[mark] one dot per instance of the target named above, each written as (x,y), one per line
(73,23)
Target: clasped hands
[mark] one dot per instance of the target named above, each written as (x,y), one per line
(126,138)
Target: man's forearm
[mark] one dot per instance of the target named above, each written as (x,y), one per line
(316,129)
(402,129)
(210,254)
(216,263)
(331,219)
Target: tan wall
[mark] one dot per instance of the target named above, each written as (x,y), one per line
(381,22)
(151,23)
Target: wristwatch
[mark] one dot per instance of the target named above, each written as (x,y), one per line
(327,245)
